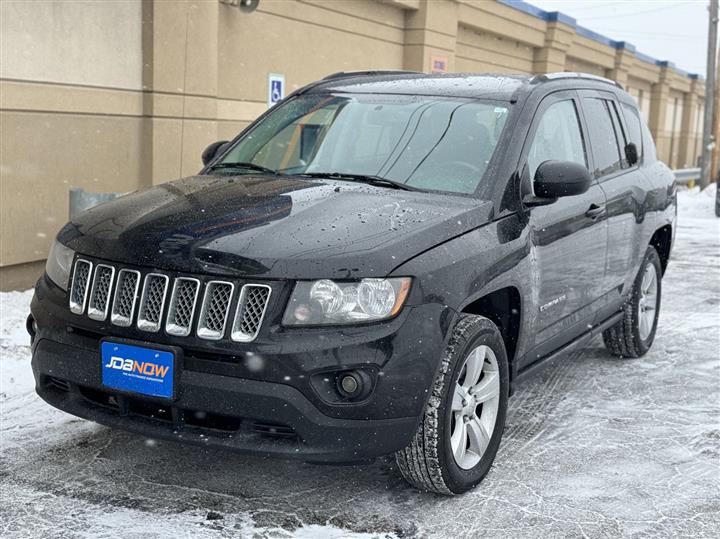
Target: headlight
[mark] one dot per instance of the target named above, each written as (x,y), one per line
(58,264)
(327,302)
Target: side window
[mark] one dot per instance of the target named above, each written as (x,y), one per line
(557,137)
(619,133)
(632,120)
(603,140)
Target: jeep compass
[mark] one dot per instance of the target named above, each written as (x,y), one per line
(368,269)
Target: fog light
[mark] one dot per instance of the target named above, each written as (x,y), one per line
(354,385)
(349,384)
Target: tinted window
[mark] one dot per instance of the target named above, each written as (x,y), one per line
(557,137)
(632,120)
(602,136)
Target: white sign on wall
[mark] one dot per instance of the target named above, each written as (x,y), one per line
(276,88)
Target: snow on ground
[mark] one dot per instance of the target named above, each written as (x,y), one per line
(594,446)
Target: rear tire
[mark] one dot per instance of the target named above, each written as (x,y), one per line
(460,431)
(634,334)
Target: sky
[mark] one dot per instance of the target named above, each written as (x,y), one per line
(674,30)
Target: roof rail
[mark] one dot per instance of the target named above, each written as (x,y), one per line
(344,74)
(547,77)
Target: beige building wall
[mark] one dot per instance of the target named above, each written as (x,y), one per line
(121,94)
(70,116)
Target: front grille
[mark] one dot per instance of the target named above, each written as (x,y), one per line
(273,430)
(125,296)
(250,312)
(100,292)
(182,306)
(80,285)
(117,290)
(215,310)
(212,423)
(152,302)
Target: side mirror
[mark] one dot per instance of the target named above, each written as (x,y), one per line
(631,153)
(214,149)
(555,179)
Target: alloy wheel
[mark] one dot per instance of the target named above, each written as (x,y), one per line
(474,407)
(647,304)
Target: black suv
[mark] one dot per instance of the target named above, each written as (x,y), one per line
(367,269)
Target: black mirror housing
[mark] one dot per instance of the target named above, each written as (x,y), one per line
(214,149)
(555,179)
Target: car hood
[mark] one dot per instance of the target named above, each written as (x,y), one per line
(272,227)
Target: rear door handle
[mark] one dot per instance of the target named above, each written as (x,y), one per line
(595,211)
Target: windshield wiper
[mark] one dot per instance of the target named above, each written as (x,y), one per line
(365,178)
(247,166)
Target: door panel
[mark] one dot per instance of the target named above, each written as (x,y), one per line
(569,237)
(624,204)
(623,186)
(570,249)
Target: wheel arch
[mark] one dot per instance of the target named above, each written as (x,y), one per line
(503,308)
(662,241)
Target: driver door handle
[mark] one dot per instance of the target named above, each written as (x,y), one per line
(596,211)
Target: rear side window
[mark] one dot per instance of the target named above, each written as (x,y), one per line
(558,137)
(632,120)
(619,132)
(603,140)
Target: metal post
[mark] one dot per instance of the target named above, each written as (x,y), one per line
(708,138)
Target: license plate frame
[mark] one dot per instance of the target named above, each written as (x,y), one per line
(145,376)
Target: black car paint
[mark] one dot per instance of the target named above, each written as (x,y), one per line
(458,249)
(254,226)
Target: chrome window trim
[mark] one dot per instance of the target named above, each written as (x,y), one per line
(75,307)
(237,335)
(204,332)
(93,312)
(143,323)
(172,328)
(115,318)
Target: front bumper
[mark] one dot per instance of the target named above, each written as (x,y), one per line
(276,412)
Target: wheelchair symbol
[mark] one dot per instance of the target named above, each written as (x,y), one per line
(276,91)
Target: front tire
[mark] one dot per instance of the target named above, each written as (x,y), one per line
(634,334)
(460,431)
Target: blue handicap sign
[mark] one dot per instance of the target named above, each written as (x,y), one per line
(276,88)
(276,91)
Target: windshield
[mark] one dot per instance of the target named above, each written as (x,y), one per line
(430,143)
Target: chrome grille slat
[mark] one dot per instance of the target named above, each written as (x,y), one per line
(152,302)
(182,306)
(100,292)
(80,285)
(126,289)
(215,310)
(250,312)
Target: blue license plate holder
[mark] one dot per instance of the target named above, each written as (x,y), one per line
(139,368)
